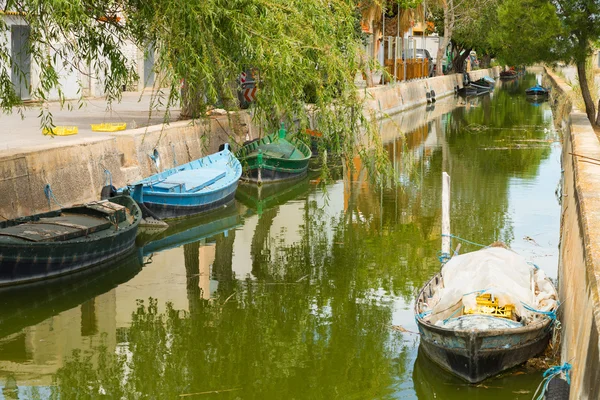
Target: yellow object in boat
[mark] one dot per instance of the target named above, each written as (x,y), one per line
(61,131)
(487,305)
(109,127)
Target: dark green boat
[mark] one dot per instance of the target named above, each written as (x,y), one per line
(274,158)
(65,241)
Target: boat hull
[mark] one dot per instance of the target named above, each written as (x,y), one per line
(171,208)
(270,159)
(190,189)
(29,262)
(475,356)
(267,175)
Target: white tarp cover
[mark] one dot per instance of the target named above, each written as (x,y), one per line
(499,271)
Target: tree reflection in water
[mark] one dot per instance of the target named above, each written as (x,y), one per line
(314,322)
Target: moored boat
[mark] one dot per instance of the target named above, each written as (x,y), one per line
(467,90)
(537,91)
(196,187)
(510,74)
(275,157)
(484,84)
(72,239)
(485,312)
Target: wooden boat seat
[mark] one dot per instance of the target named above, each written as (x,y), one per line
(189,181)
(65,227)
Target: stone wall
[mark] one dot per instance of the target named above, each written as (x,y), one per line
(579,263)
(76,173)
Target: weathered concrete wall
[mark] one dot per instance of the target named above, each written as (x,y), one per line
(76,173)
(494,72)
(382,101)
(579,264)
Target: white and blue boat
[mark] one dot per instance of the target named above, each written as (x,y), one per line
(193,188)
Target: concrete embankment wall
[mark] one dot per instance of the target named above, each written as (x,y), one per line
(386,100)
(76,172)
(579,264)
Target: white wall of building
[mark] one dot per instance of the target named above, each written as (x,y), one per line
(74,83)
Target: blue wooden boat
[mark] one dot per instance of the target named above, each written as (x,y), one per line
(193,188)
(537,91)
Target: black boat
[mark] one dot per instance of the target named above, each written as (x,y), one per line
(510,74)
(467,90)
(479,342)
(483,85)
(61,242)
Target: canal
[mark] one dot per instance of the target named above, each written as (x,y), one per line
(307,291)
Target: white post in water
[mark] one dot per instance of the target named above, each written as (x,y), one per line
(445,213)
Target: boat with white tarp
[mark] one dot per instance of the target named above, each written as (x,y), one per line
(484,312)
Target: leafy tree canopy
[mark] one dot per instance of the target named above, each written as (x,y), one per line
(293,45)
(527,32)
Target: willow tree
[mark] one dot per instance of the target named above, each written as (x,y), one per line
(295,47)
(65,37)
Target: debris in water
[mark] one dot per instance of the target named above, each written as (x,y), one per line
(530,240)
(399,328)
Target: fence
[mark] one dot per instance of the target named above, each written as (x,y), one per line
(398,66)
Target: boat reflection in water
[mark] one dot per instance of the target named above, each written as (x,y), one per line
(191,230)
(30,304)
(262,198)
(432,382)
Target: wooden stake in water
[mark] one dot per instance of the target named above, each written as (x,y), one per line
(445,213)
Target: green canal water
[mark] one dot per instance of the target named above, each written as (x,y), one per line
(307,292)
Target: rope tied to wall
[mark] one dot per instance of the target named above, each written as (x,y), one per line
(50,196)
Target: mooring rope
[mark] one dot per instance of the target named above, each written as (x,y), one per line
(50,195)
(548,375)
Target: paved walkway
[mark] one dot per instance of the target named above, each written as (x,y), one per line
(18,133)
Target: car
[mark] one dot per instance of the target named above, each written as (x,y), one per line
(419,54)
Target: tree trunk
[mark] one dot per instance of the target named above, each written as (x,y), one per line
(448,27)
(598,117)
(590,107)
(459,62)
(193,103)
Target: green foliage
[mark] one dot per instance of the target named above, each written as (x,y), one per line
(66,37)
(527,32)
(546,30)
(292,45)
